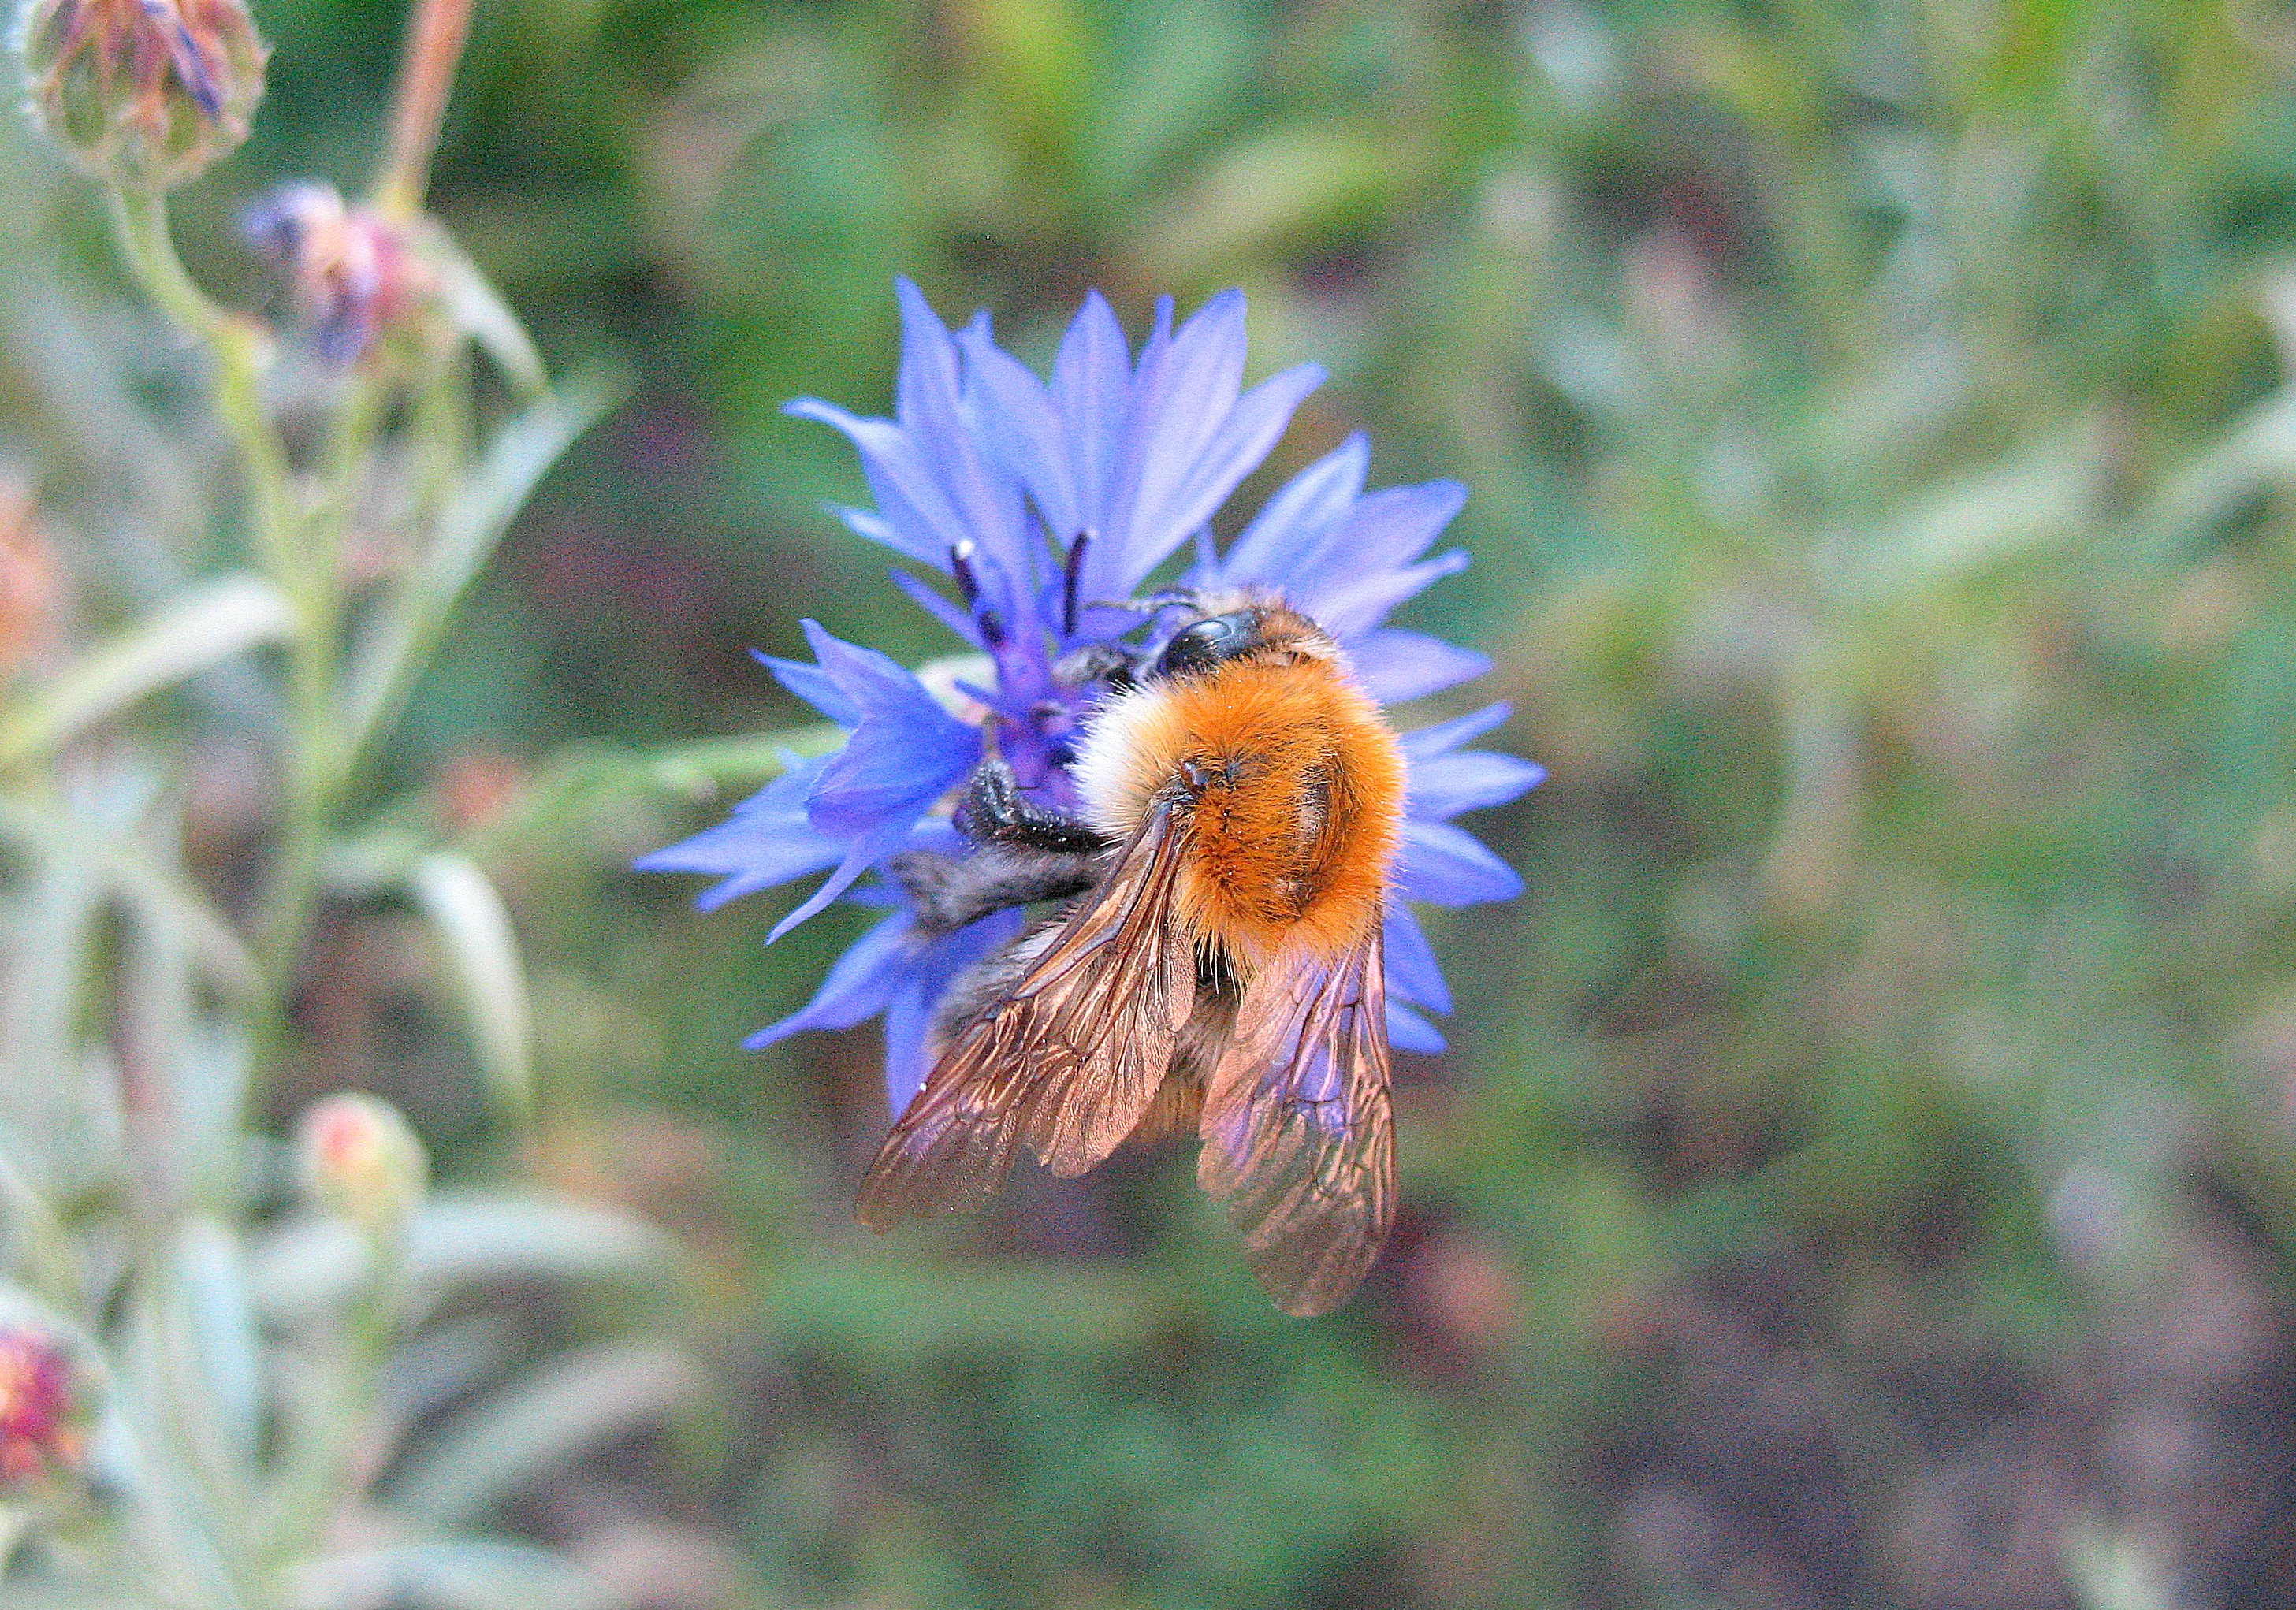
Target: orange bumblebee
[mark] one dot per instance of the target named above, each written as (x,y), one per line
(1218,965)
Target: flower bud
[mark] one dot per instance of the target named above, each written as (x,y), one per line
(44,1405)
(362,1160)
(355,275)
(146,93)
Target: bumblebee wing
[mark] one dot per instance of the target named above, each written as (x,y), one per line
(1067,1061)
(1298,1126)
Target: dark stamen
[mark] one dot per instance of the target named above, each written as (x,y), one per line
(1071,579)
(959,564)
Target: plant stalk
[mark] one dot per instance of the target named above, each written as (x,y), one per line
(435,35)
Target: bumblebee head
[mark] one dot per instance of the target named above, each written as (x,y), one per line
(1252,630)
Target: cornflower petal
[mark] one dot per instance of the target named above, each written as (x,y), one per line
(913,518)
(768,839)
(984,501)
(1389,528)
(1447,781)
(857,988)
(815,686)
(1031,433)
(936,487)
(1426,743)
(1408,1031)
(1412,972)
(1189,439)
(862,523)
(1347,609)
(1397,667)
(949,615)
(1450,784)
(1252,428)
(908,1015)
(1296,520)
(1373,538)
(1092,391)
(1445,865)
(904,751)
(861,855)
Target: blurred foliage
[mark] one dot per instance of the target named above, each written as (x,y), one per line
(1862,1176)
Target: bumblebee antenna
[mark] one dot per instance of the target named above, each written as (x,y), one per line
(1167,598)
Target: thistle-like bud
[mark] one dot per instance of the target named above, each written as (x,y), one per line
(362,1160)
(146,93)
(355,275)
(44,1404)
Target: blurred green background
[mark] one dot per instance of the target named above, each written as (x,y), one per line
(1862,1174)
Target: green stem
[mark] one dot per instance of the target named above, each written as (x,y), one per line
(241,350)
(317,755)
(322,1481)
(441,429)
(45,1246)
(303,558)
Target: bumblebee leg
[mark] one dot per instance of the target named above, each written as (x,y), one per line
(949,892)
(1110,662)
(987,981)
(997,812)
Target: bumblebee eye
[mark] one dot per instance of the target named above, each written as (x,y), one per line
(1206,642)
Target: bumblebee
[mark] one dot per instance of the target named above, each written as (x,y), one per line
(1215,963)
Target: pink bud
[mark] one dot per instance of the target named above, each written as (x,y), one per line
(42,1409)
(362,1160)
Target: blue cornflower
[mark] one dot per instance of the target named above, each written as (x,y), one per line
(1049,504)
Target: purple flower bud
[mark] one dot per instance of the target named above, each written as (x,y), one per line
(354,277)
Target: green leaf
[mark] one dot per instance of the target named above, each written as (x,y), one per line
(198,630)
(158,894)
(20,1305)
(1968,528)
(472,1575)
(549,1417)
(477,1238)
(482,945)
(480,312)
(395,652)
(313,1265)
(29,1225)
(214,1340)
(15,1525)
(2208,489)
(69,1121)
(1291,184)
(445,1362)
